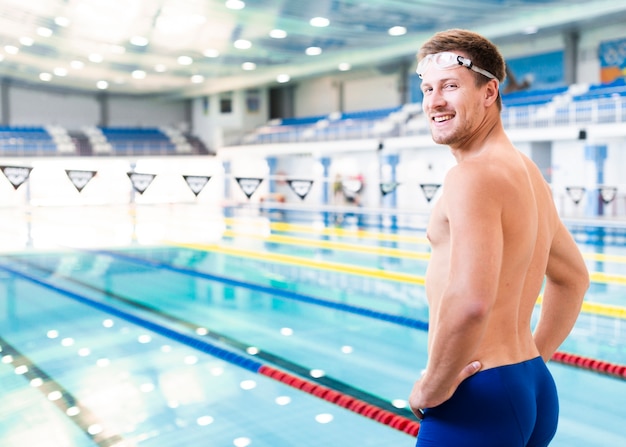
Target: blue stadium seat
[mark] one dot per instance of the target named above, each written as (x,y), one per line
(138,140)
(26,140)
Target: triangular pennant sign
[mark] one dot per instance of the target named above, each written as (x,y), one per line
(430,189)
(607,193)
(16,174)
(248,185)
(140,181)
(576,193)
(196,182)
(80,178)
(386,188)
(300,187)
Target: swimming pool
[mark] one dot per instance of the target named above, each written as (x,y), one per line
(167,327)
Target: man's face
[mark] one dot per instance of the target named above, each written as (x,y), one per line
(451,103)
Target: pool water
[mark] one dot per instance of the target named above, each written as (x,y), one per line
(159,344)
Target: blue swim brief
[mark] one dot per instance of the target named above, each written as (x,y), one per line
(507,406)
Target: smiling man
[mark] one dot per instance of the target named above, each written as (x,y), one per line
(496,238)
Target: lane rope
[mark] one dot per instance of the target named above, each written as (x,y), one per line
(346,401)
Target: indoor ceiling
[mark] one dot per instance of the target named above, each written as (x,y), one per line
(186,48)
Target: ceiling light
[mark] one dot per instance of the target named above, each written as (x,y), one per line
(530,30)
(44,32)
(278,34)
(185,60)
(160,68)
(27,41)
(139,41)
(397,31)
(313,51)
(320,22)
(77,64)
(235,4)
(197,79)
(138,74)
(95,57)
(102,85)
(60,71)
(1,57)
(62,21)
(11,49)
(283,78)
(211,52)
(45,77)
(242,44)
(344,66)
(248,66)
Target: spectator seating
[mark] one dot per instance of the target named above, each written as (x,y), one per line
(138,141)
(561,105)
(26,140)
(91,140)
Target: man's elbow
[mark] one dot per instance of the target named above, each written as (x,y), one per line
(584,283)
(583,279)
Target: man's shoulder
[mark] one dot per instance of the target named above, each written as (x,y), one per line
(477,173)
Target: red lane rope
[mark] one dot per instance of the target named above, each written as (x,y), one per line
(600,366)
(404,424)
(358,406)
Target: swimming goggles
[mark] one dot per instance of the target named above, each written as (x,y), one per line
(447,61)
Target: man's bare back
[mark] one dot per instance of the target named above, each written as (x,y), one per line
(506,209)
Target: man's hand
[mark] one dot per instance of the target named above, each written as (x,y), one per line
(419,398)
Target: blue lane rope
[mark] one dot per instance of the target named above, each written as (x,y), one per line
(280,362)
(201,345)
(391,318)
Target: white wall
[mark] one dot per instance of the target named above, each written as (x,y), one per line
(36,107)
(33,107)
(317,97)
(371,93)
(146,112)
(216,128)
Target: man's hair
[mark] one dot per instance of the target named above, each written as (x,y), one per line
(482,52)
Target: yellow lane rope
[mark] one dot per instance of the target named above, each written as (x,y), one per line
(363,234)
(605,258)
(345,246)
(605,310)
(332,231)
(598,277)
(322,265)
(606,278)
(588,307)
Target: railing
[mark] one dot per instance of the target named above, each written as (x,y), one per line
(601,110)
(122,148)
(597,111)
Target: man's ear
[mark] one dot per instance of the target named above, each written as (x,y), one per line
(491,92)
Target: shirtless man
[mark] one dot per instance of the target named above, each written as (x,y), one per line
(495,237)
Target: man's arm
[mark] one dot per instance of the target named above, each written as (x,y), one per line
(567,280)
(473,210)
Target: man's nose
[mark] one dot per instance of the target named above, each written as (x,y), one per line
(435,99)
